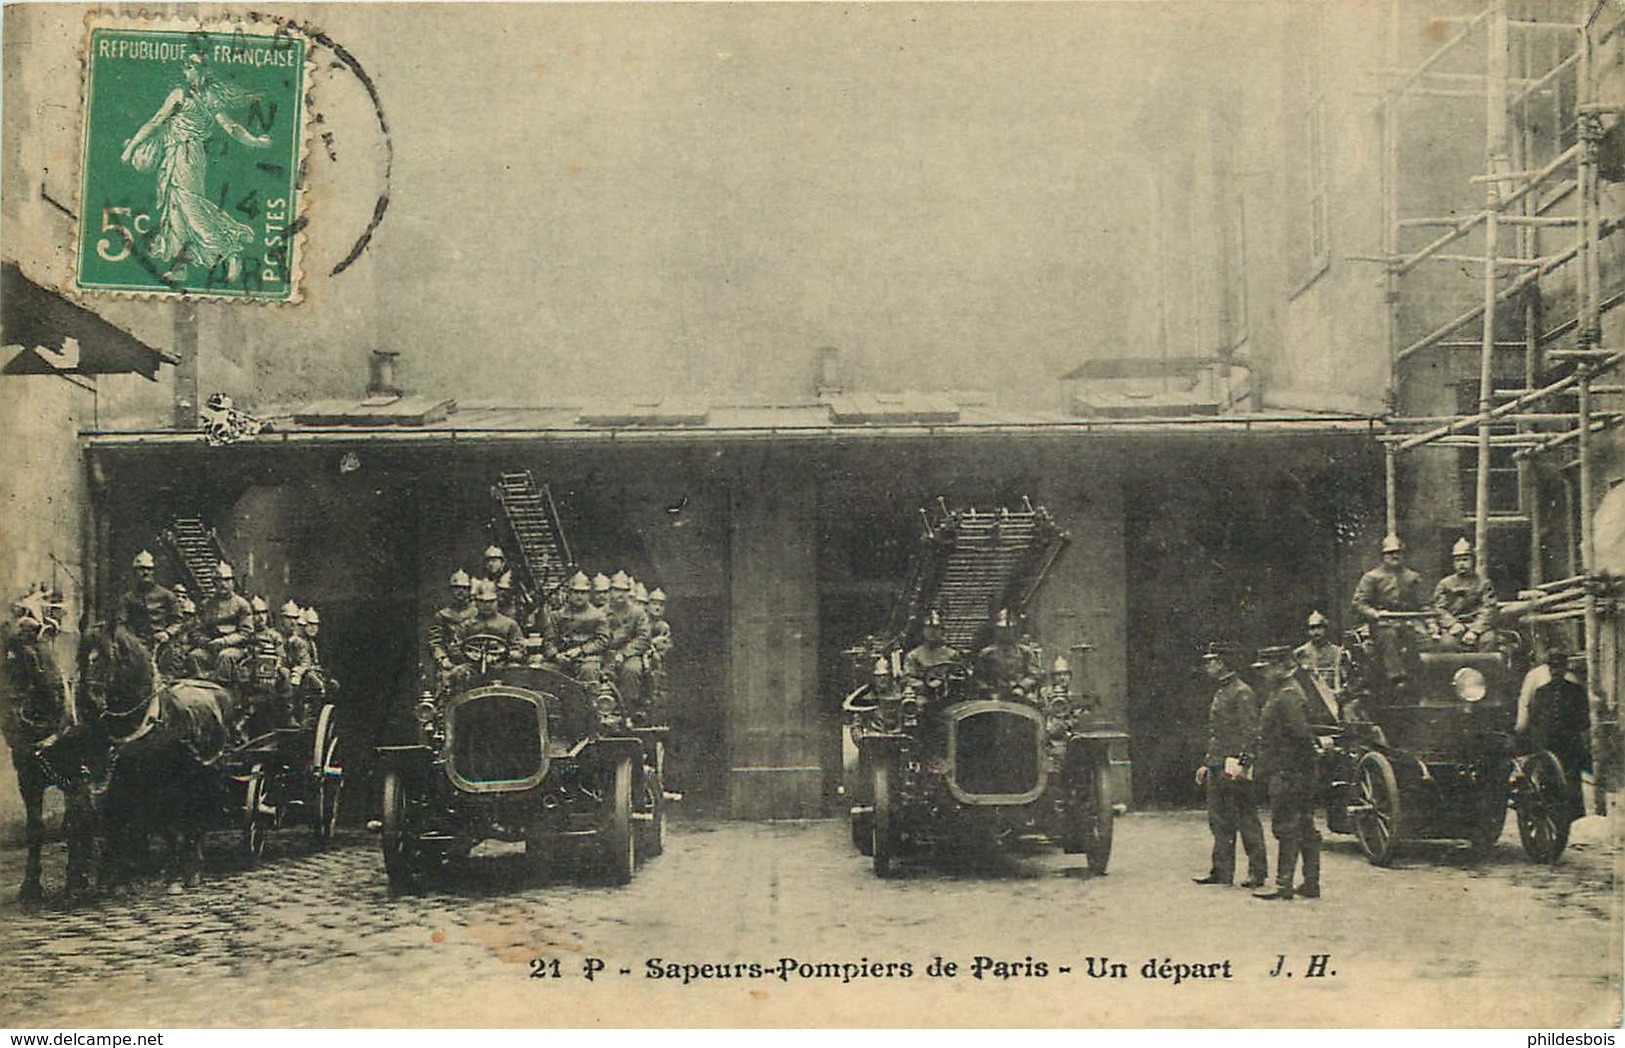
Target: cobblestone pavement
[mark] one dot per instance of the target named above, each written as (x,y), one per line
(312,938)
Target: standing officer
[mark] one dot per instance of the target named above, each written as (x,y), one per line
(147,609)
(1556,716)
(448,620)
(225,622)
(628,640)
(579,634)
(933,649)
(1465,601)
(1287,759)
(1227,773)
(1390,586)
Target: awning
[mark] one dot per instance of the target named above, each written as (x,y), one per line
(42,321)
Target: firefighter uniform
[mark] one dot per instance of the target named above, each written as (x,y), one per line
(578,635)
(1557,719)
(1232,808)
(1390,586)
(932,651)
(629,638)
(448,620)
(1465,600)
(147,609)
(1287,755)
(224,625)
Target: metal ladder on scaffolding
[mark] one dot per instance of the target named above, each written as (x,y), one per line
(528,522)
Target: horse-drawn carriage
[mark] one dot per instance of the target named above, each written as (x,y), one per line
(996,747)
(1430,754)
(522,753)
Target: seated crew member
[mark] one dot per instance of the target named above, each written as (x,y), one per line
(1006,662)
(628,640)
(600,591)
(659,628)
(147,609)
(174,659)
(499,575)
(448,619)
(263,672)
(1390,587)
(1465,602)
(933,650)
(1326,661)
(488,621)
(225,622)
(578,634)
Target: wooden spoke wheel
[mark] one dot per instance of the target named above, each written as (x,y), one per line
(256,822)
(619,845)
(1377,822)
(884,836)
(404,859)
(329,774)
(1542,802)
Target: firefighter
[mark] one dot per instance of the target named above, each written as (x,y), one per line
(659,628)
(498,573)
(1324,659)
(488,620)
(1227,773)
(1286,757)
(1390,587)
(933,650)
(225,622)
(628,640)
(174,660)
(600,591)
(147,609)
(1465,602)
(1006,662)
(578,634)
(265,677)
(448,620)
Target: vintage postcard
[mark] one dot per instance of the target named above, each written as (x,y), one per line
(812,515)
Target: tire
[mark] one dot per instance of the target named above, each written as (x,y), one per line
(1542,803)
(403,855)
(652,833)
(256,826)
(1378,822)
(329,775)
(884,833)
(1098,845)
(863,831)
(619,845)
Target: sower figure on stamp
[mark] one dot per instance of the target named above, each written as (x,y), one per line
(1465,602)
(1286,757)
(1227,773)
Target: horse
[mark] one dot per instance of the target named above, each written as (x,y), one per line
(49,735)
(166,740)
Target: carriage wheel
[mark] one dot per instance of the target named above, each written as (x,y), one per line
(329,774)
(256,824)
(1377,823)
(884,834)
(403,853)
(652,829)
(619,845)
(1542,803)
(1098,842)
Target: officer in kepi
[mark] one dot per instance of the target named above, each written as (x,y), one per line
(147,609)
(1465,603)
(1286,758)
(1227,773)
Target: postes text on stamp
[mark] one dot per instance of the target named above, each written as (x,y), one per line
(190,164)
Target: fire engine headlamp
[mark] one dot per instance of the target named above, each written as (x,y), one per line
(604,703)
(1469,684)
(425,712)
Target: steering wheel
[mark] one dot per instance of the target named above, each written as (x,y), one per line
(482,649)
(937,678)
(861,700)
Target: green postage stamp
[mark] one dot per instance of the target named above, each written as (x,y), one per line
(191,160)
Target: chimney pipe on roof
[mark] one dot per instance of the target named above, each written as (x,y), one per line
(381,374)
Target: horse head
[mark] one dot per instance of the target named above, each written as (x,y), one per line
(36,696)
(116,671)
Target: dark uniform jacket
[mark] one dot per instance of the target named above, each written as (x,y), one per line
(443,630)
(1469,601)
(1382,590)
(298,655)
(628,631)
(925,656)
(1330,662)
(1286,740)
(227,618)
(1232,721)
(587,629)
(145,612)
(659,635)
(498,625)
(1005,663)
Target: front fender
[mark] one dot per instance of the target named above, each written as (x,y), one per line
(409,760)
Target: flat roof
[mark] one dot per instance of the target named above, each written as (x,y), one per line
(813,421)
